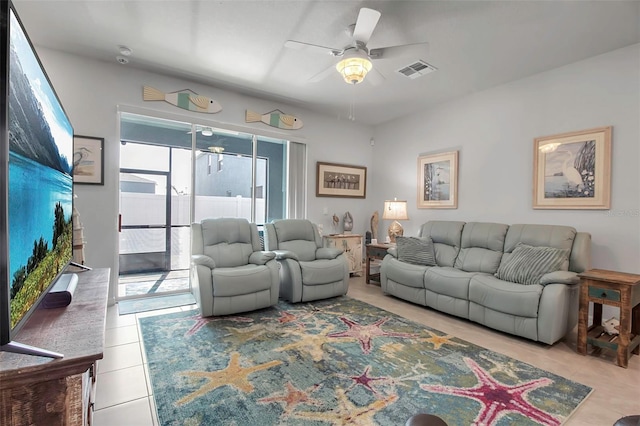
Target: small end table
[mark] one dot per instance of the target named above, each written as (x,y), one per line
(610,288)
(375,251)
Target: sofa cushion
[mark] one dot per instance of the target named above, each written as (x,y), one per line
(239,280)
(527,264)
(448,281)
(402,272)
(539,235)
(418,251)
(446,239)
(323,271)
(481,247)
(504,296)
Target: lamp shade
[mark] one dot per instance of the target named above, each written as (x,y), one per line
(354,67)
(395,210)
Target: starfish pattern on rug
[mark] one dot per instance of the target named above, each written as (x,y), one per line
(365,333)
(232,375)
(346,412)
(201,321)
(291,397)
(437,341)
(310,343)
(498,399)
(367,381)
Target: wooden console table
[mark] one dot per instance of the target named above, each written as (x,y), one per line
(374,251)
(36,390)
(614,289)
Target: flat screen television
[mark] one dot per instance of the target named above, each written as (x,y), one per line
(36,183)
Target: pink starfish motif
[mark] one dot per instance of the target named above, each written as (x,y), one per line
(365,333)
(365,380)
(202,321)
(498,399)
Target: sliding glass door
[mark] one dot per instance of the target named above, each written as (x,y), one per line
(174,173)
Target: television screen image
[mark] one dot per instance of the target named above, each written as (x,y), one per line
(39,187)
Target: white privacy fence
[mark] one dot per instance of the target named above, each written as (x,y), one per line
(139,209)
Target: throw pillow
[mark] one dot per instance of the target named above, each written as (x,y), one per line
(418,251)
(527,264)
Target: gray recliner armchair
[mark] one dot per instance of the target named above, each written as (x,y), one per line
(307,270)
(229,271)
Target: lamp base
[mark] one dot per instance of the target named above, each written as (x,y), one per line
(395,230)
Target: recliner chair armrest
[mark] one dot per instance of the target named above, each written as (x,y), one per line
(328,253)
(201,259)
(261,257)
(285,254)
(560,277)
(393,251)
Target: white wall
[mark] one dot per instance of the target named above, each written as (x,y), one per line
(92,92)
(494,131)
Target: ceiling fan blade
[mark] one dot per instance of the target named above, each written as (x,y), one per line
(404,50)
(298,45)
(323,74)
(366,23)
(375,77)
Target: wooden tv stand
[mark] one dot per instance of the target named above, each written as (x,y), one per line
(39,390)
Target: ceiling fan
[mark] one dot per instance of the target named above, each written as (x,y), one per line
(356,57)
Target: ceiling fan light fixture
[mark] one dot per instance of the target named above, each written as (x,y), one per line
(354,67)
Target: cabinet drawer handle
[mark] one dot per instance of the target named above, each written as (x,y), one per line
(604,295)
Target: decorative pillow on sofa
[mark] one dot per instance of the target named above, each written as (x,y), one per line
(418,251)
(527,264)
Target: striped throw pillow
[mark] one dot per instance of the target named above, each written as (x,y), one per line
(418,251)
(527,264)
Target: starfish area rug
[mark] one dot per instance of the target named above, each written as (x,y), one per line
(338,362)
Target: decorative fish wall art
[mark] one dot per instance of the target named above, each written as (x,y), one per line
(185,99)
(275,118)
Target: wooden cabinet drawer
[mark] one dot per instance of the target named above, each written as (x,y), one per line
(604,294)
(379,252)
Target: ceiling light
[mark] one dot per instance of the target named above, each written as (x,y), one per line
(216,149)
(207,131)
(354,66)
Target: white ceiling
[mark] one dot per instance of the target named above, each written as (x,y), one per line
(238,45)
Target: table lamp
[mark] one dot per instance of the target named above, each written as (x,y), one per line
(395,210)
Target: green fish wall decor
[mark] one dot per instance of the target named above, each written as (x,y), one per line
(185,99)
(275,118)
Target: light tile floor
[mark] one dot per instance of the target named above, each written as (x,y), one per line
(124,396)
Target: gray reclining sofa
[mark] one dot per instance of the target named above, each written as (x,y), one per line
(466,258)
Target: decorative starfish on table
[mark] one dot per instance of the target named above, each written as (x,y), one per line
(365,333)
(346,412)
(291,397)
(498,399)
(232,375)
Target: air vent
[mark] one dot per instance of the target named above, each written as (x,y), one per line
(416,69)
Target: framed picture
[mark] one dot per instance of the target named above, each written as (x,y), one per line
(438,181)
(341,180)
(573,170)
(88,160)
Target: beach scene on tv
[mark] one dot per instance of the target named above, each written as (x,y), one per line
(40,181)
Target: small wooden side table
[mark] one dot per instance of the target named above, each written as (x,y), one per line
(374,251)
(614,289)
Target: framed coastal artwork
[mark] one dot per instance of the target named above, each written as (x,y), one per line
(88,160)
(438,181)
(340,180)
(573,170)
